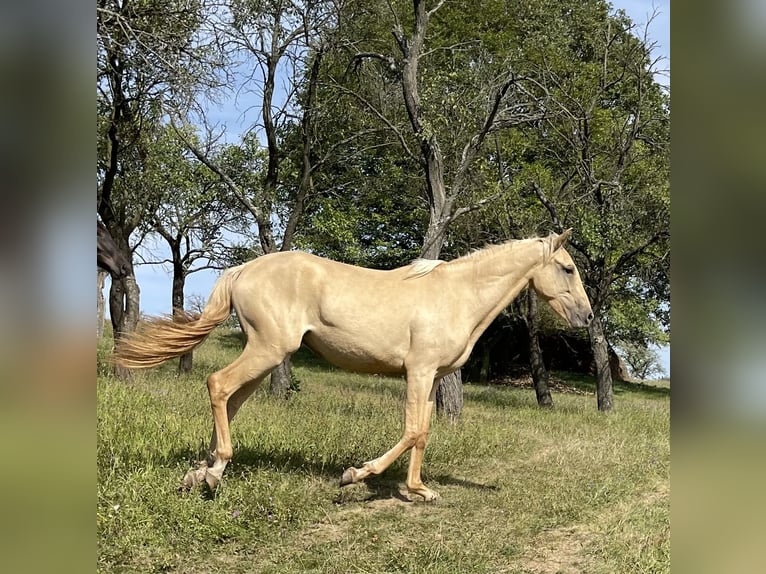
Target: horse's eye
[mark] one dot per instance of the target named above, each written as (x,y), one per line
(569,270)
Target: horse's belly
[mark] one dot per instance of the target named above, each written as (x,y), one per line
(354,353)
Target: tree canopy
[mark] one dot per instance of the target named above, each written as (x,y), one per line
(387,130)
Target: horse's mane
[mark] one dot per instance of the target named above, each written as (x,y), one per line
(421,267)
(487,250)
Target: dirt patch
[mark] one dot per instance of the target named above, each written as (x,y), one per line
(563,550)
(360,504)
(558,551)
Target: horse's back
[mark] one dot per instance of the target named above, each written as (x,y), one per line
(306,287)
(300,268)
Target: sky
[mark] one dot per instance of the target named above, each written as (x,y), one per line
(155,281)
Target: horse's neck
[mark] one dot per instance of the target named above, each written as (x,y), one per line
(501,273)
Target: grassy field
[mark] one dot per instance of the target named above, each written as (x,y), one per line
(524,490)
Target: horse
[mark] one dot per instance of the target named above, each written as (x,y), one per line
(108,256)
(421,321)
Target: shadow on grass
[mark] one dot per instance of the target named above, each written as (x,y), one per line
(641,388)
(498,396)
(388,485)
(504,395)
(391,485)
(280,460)
(450,480)
(380,386)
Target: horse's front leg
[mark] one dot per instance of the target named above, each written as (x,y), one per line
(418,408)
(414,483)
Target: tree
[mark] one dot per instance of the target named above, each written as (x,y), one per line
(431,82)
(644,362)
(601,165)
(275,36)
(540,376)
(150,57)
(100,303)
(604,134)
(196,217)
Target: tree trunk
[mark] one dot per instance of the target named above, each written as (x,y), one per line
(449,393)
(281,378)
(600,350)
(100,303)
(124,297)
(536,364)
(307,145)
(185,361)
(449,396)
(485,364)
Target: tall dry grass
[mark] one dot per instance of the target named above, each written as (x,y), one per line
(523,489)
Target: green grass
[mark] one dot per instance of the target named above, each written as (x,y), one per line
(524,490)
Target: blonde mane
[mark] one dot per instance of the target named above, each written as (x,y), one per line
(421,267)
(489,250)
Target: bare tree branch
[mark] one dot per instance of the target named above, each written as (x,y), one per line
(433,10)
(215,168)
(553,212)
(382,118)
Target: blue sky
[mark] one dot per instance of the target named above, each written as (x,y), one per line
(155,281)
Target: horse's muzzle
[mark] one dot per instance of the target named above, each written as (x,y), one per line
(582,319)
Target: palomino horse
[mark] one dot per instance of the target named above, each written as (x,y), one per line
(421,321)
(108,256)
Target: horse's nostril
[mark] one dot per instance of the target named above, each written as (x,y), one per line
(590,317)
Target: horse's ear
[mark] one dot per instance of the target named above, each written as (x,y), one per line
(559,240)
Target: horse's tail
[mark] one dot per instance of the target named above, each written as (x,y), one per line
(161,338)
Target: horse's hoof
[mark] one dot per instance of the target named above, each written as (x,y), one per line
(430,496)
(212,481)
(348,477)
(191,480)
(427,494)
(194,478)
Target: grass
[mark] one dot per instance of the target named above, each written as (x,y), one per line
(524,490)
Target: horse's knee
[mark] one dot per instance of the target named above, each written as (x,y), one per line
(416,439)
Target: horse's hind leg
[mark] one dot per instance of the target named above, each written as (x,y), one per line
(228,389)
(235,402)
(197,475)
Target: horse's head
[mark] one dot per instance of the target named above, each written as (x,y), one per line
(558,282)
(108,256)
